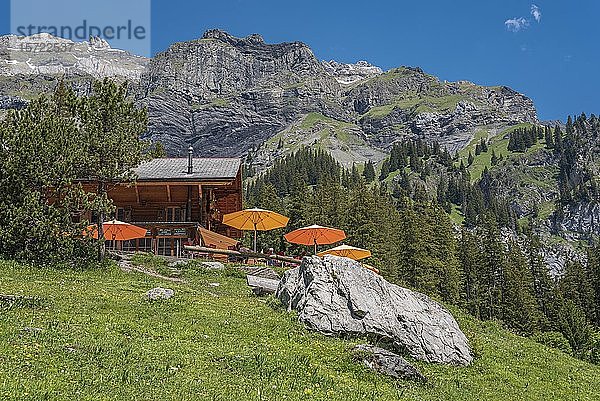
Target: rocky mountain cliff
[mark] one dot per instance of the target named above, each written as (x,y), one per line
(226,95)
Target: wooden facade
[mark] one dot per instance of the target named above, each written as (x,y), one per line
(173,198)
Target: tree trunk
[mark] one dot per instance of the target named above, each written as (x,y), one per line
(100,223)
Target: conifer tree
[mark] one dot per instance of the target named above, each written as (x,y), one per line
(575,285)
(519,308)
(548,138)
(40,155)
(558,139)
(541,279)
(569,126)
(385,170)
(111,128)
(471,159)
(355,178)
(494,158)
(470,260)
(369,172)
(573,324)
(492,268)
(594,277)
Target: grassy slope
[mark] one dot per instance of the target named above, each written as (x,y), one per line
(101,340)
(498,143)
(338,137)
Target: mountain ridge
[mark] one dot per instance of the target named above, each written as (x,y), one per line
(226,95)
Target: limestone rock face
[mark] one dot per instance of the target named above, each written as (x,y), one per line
(12,102)
(337,296)
(227,96)
(49,56)
(348,74)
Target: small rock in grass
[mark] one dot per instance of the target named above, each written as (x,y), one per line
(178,264)
(214,284)
(213,265)
(31,330)
(159,293)
(386,362)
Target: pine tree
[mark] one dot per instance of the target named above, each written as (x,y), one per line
(541,279)
(519,308)
(471,159)
(594,278)
(385,170)
(494,158)
(369,172)
(492,269)
(111,128)
(483,145)
(569,127)
(40,153)
(575,285)
(355,178)
(548,138)
(442,254)
(66,138)
(574,326)
(470,260)
(558,139)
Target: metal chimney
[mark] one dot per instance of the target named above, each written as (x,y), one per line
(190,160)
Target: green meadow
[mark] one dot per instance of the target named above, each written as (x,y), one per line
(91,335)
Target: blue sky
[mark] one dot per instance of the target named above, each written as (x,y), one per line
(553,59)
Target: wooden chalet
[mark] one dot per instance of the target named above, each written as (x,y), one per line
(178,200)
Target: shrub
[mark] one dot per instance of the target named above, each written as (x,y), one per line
(553,339)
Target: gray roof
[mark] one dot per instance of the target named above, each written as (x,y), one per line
(176,169)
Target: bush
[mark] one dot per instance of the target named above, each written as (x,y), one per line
(553,339)
(593,352)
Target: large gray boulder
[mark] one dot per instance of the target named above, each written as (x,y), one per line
(337,296)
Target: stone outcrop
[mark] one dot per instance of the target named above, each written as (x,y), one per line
(387,363)
(159,293)
(348,74)
(337,296)
(12,102)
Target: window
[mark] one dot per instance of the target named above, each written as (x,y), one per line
(174,214)
(123,214)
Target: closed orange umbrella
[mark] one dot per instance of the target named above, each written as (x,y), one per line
(116,230)
(315,235)
(255,219)
(347,251)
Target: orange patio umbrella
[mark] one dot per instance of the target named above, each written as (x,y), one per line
(116,230)
(255,219)
(347,251)
(315,235)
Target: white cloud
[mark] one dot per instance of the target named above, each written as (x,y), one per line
(536,12)
(516,24)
